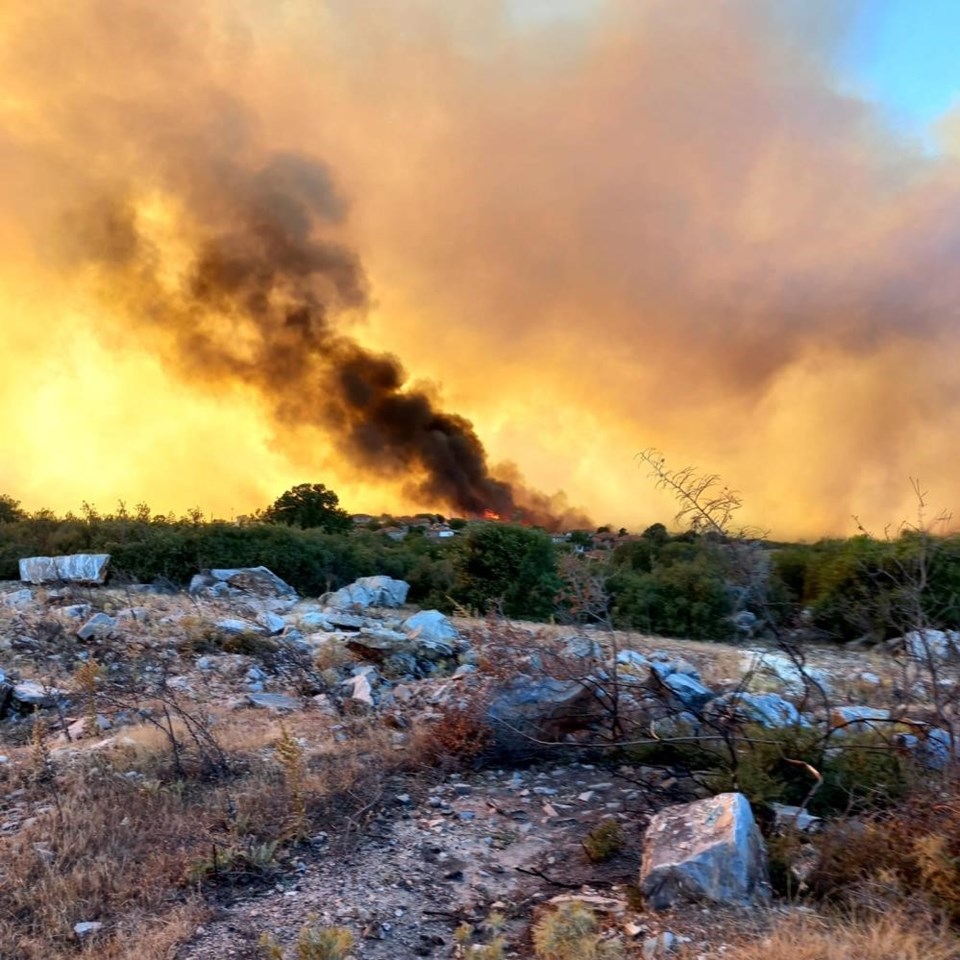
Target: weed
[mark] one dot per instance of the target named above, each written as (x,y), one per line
(893,936)
(908,853)
(460,736)
(85,678)
(233,864)
(571,932)
(603,841)
(290,756)
(313,943)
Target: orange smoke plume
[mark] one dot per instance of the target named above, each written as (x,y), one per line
(655,224)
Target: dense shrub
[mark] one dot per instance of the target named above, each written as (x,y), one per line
(313,561)
(910,852)
(874,588)
(509,566)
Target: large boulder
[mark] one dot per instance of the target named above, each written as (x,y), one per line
(423,641)
(31,694)
(369,592)
(689,692)
(707,850)
(545,709)
(90,568)
(99,625)
(859,719)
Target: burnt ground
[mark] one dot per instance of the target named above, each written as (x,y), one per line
(496,840)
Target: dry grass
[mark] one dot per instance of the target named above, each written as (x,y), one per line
(890,937)
(117,837)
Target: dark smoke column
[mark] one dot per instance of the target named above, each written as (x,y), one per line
(257,306)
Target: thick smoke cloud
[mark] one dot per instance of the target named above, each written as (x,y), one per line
(657,224)
(257,301)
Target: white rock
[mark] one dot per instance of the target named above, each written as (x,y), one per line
(35,694)
(795,817)
(688,690)
(315,620)
(359,687)
(77,611)
(273,623)
(707,850)
(433,632)
(87,928)
(99,625)
(259,581)
(235,626)
(632,658)
(938,644)
(277,702)
(782,670)
(859,719)
(77,568)
(766,709)
(367,592)
(19,598)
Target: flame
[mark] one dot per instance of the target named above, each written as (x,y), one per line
(491,515)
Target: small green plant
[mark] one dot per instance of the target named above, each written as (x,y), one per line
(233,864)
(313,943)
(571,932)
(493,949)
(603,841)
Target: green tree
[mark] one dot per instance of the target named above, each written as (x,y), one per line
(502,562)
(10,510)
(309,506)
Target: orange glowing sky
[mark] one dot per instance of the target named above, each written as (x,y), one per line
(656,224)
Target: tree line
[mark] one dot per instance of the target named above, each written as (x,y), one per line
(687,583)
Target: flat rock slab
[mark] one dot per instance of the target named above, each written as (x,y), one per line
(257,580)
(278,702)
(708,850)
(19,598)
(239,627)
(32,693)
(99,625)
(76,568)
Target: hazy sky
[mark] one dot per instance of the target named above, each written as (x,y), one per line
(724,228)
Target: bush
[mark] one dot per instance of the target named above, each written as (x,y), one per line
(499,563)
(571,932)
(908,853)
(604,841)
(861,772)
(146,550)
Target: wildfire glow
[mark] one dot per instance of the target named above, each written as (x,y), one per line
(688,235)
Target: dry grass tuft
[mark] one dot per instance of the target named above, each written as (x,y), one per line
(890,937)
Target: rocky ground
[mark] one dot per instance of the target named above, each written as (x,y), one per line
(432,849)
